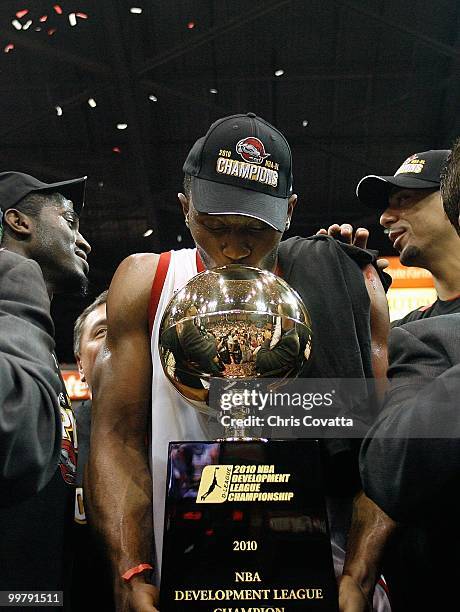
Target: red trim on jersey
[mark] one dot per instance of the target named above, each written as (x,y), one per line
(278,271)
(199,263)
(383,584)
(157,286)
(200,266)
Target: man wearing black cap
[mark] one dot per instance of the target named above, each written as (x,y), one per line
(42,253)
(238,201)
(410,459)
(413,215)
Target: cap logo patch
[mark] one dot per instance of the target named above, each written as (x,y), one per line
(411,165)
(252,150)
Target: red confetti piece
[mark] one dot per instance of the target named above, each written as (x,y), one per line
(116,150)
(21,14)
(82,15)
(9,47)
(43,18)
(51,31)
(237,515)
(58,9)
(209,532)
(191,25)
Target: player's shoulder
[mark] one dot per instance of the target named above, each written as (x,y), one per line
(131,286)
(138,265)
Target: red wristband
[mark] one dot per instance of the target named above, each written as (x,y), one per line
(136,570)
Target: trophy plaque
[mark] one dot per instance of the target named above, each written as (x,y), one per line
(245,520)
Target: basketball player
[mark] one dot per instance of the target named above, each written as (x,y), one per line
(237,203)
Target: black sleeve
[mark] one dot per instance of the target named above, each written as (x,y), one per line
(30,422)
(412,454)
(199,348)
(281,358)
(364,257)
(413,315)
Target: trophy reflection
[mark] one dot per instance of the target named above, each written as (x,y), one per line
(234,323)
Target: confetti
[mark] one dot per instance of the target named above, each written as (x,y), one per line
(21,14)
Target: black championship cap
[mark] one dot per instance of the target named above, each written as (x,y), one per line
(419,171)
(15,185)
(243,166)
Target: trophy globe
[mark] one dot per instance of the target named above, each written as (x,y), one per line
(233,323)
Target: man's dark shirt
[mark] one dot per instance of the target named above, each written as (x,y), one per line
(91,572)
(440,307)
(412,475)
(38,463)
(30,420)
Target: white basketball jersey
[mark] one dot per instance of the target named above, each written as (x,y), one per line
(173,419)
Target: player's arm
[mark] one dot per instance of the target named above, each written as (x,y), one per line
(380,328)
(371,527)
(30,421)
(370,532)
(119,483)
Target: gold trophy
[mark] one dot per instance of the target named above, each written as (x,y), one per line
(241,508)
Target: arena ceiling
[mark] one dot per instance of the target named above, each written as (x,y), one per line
(119,90)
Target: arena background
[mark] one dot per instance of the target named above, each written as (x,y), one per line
(119,91)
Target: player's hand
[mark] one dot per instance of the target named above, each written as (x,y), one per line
(139,597)
(344,233)
(351,597)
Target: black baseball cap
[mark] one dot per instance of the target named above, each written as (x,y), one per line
(419,171)
(14,186)
(243,166)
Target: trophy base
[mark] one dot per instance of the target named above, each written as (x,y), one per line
(246,528)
